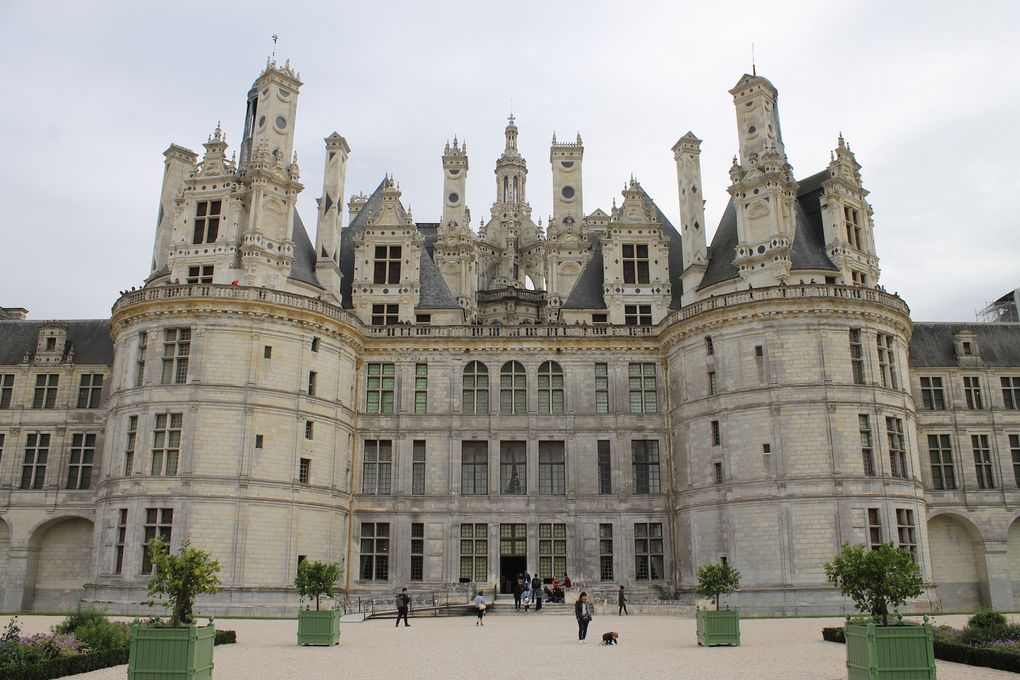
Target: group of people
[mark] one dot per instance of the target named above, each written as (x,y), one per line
(528,590)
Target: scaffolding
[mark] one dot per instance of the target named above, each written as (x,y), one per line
(1005,309)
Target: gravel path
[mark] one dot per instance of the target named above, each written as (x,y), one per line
(516,646)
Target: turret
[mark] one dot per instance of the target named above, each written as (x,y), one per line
(757,104)
(847,219)
(565,158)
(511,170)
(272,106)
(455,168)
(687,153)
(178,165)
(330,219)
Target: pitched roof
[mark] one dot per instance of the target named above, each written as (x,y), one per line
(808,241)
(931,344)
(90,339)
(303,268)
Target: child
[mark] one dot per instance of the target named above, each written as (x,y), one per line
(610,638)
(526,600)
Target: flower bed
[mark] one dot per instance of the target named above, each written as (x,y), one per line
(988,640)
(82,642)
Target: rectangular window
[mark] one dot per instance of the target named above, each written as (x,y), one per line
(513,389)
(1014,450)
(207,221)
(474,553)
(605,468)
(166,443)
(46,390)
(642,389)
(552,551)
(972,391)
(304,470)
(158,522)
(381,387)
(645,458)
(513,468)
(874,529)
(143,343)
(932,395)
(1011,392)
(940,452)
(6,390)
(90,390)
(897,448)
(309,429)
(417,551)
(267,352)
(867,447)
(648,551)
(313,380)
(258,441)
(713,386)
(79,465)
(858,278)
(474,468)
(421,388)
(378,467)
(200,274)
(551,468)
(601,388)
(635,263)
(375,551)
(550,388)
(709,345)
(418,468)
(606,552)
(887,361)
(37,452)
(857,356)
(387,264)
(982,461)
(853,227)
(759,351)
(385,314)
(315,344)
(176,351)
(118,553)
(716,433)
(637,315)
(717,471)
(130,445)
(475,393)
(513,539)
(905,530)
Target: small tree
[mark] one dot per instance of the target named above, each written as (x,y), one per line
(875,579)
(317,579)
(181,577)
(715,580)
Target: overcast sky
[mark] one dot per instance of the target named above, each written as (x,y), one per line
(926,93)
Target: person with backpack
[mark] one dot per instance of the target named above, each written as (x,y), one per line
(403,602)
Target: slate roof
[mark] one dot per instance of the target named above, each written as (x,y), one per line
(303,268)
(931,344)
(808,242)
(90,339)
(587,292)
(435,294)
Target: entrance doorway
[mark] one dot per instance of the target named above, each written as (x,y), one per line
(513,554)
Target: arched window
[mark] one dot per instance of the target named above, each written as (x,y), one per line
(476,389)
(550,388)
(513,385)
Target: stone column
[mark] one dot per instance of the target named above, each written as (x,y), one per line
(21,565)
(1000,589)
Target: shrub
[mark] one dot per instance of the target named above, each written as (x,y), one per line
(715,580)
(102,635)
(988,619)
(181,578)
(317,579)
(78,620)
(875,579)
(834,634)
(71,665)
(225,637)
(1004,659)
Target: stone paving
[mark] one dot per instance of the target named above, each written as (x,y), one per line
(532,646)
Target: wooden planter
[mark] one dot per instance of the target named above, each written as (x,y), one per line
(889,652)
(169,653)
(318,627)
(718,628)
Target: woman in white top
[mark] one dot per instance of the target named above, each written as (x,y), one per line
(480,606)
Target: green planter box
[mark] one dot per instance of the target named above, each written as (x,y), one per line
(167,653)
(318,627)
(718,628)
(902,652)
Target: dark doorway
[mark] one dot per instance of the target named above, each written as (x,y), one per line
(510,566)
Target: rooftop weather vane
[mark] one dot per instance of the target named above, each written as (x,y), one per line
(275,38)
(754,69)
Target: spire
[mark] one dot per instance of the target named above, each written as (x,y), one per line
(511,136)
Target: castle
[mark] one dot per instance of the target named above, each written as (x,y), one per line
(607,395)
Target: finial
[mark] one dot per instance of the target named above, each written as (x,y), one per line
(554,137)
(295,157)
(455,141)
(842,143)
(578,136)
(754,69)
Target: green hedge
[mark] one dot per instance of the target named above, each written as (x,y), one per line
(951,651)
(83,663)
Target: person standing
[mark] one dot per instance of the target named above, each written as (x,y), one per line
(622,602)
(403,603)
(480,606)
(583,613)
(518,588)
(536,593)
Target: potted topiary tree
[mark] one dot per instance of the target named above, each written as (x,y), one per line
(316,580)
(719,627)
(875,580)
(178,649)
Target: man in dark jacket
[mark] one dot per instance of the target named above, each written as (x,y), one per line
(518,590)
(622,601)
(403,601)
(536,592)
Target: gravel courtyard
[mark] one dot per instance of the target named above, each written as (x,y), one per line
(516,646)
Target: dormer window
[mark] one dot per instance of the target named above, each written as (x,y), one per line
(51,344)
(635,263)
(853,227)
(387,264)
(859,278)
(203,274)
(207,221)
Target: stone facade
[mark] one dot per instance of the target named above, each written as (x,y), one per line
(606,396)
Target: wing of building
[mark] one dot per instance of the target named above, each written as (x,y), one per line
(607,395)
